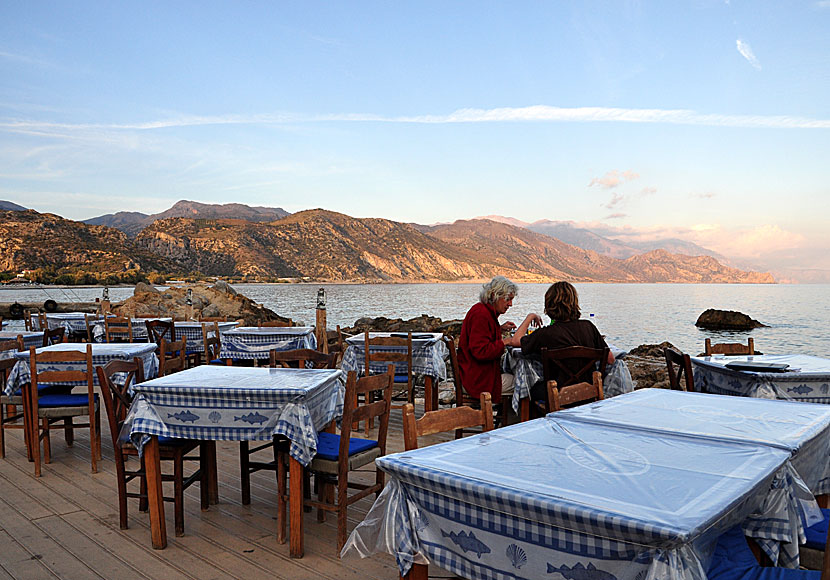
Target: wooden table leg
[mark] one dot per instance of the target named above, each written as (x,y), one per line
(213,477)
(430,394)
(524,409)
(295,508)
(155,499)
(417,572)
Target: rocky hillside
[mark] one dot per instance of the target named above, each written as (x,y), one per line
(132,223)
(33,241)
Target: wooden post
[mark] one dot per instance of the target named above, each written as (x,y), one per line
(322,332)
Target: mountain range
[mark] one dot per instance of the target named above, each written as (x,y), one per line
(240,242)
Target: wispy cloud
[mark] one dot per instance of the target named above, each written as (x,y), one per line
(615,216)
(613,178)
(537,114)
(746,52)
(648,191)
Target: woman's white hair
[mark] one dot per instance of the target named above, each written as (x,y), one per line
(498,287)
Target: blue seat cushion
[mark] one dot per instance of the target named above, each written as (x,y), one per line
(401,378)
(172,441)
(328,446)
(217,361)
(63,400)
(733,560)
(817,533)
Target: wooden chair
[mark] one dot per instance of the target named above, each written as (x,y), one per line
(118,328)
(54,336)
(576,394)
(283,359)
(11,407)
(117,401)
(465,399)
(45,409)
(729,348)
(41,320)
(683,370)
(27,320)
(89,322)
(275,323)
(212,341)
(172,356)
(569,366)
(456,419)
(337,455)
(160,329)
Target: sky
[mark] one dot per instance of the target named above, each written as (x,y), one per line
(707,121)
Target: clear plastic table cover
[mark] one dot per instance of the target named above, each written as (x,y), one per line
(428,355)
(251,342)
(802,429)
(807,379)
(553,496)
(212,402)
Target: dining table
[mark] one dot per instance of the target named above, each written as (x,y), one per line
(570,497)
(794,377)
(527,371)
(234,403)
(139,329)
(102,353)
(801,429)
(31,338)
(429,354)
(255,343)
(192,331)
(73,322)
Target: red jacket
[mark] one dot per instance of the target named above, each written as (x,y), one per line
(479,351)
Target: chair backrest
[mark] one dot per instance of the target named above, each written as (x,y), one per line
(53,336)
(158,329)
(682,371)
(41,318)
(575,394)
(377,355)
(445,420)
(728,348)
(83,374)
(172,356)
(212,341)
(117,398)
(27,320)
(275,323)
(573,364)
(89,321)
(461,396)
(7,360)
(118,328)
(299,357)
(353,412)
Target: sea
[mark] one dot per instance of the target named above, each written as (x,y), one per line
(629,315)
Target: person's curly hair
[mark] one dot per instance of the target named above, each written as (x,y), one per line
(498,287)
(562,302)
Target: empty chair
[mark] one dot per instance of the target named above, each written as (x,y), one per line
(733,560)
(394,349)
(118,329)
(300,359)
(337,455)
(43,410)
(679,366)
(276,323)
(53,336)
(729,348)
(576,394)
(172,356)
(454,419)
(89,322)
(11,407)
(158,329)
(212,342)
(117,401)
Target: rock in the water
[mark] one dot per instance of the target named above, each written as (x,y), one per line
(143,287)
(423,323)
(713,319)
(223,286)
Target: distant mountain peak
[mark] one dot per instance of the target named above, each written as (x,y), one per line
(11,206)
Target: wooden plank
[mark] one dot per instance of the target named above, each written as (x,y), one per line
(17,562)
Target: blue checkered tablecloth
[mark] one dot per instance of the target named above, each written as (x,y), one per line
(192,331)
(30,339)
(73,322)
(801,429)
(212,402)
(527,371)
(428,355)
(582,500)
(249,342)
(101,355)
(139,330)
(807,379)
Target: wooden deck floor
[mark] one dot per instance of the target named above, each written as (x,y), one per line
(65,524)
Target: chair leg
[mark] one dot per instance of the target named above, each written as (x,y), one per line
(34,438)
(342,511)
(2,436)
(178,494)
(244,471)
(204,475)
(282,493)
(47,442)
(69,432)
(122,490)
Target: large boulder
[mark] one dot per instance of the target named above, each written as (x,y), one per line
(713,319)
(423,323)
(206,301)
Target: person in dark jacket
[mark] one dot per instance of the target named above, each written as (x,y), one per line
(481,345)
(565,329)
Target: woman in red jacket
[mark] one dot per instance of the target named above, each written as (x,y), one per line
(480,345)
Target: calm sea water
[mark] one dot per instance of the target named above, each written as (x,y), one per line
(628,314)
